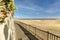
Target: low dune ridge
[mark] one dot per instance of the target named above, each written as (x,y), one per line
(52,26)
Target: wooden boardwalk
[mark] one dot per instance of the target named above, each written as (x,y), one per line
(20,34)
(23,34)
(40,34)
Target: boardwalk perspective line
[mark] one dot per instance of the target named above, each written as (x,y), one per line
(39,33)
(19,33)
(27,33)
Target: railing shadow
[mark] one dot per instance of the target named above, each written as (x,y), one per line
(27,33)
(39,33)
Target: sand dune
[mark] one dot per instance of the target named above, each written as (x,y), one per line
(52,26)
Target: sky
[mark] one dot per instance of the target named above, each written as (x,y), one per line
(36,9)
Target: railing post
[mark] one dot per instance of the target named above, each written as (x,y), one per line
(54,37)
(29,28)
(47,35)
(57,38)
(35,31)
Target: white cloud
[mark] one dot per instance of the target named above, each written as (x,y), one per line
(53,8)
(16,17)
(26,7)
(31,7)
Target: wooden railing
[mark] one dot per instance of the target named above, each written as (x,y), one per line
(39,33)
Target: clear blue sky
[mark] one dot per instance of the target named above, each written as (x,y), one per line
(37,9)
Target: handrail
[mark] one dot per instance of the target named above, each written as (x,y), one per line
(49,36)
(48,33)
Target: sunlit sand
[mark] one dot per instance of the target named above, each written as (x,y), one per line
(52,26)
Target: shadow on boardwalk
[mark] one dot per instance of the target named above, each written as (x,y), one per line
(27,33)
